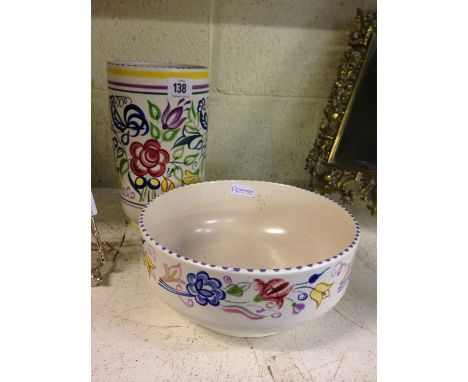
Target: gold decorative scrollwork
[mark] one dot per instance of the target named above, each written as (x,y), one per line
(326,176)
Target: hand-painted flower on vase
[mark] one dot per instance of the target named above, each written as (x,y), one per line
(154,184)
(167,185)
(172,119)
(275,290)
(148,158)
(205,289)
(140,183)
(203,115)
(190,177)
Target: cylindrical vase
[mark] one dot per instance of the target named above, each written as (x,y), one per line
(159,119)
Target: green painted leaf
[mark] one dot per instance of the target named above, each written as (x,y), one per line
(190,159)
(178,153)
(154,131)
(154,110)
(169,135)
(235,291)
(190,128)
(244,285)
(194,113)
(178,173)
(182,141)
(257,298)
(123,166)
(202,165)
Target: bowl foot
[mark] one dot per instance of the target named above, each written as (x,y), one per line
(240,333)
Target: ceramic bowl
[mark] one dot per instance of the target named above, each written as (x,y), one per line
(248,258)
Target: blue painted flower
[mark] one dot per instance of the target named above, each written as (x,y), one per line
(203,115)
(205,289)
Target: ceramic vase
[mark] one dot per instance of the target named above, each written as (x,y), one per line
(159,119)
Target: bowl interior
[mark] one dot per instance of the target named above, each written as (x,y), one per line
(277,226)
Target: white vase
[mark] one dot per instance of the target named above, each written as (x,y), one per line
(159,122)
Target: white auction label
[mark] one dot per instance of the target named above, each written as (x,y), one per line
(242,190)
(179,87)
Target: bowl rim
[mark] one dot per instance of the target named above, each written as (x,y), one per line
(256,271)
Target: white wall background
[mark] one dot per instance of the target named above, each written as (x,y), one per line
(272,66)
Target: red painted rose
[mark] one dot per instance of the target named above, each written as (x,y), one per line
(274,290)
(149,158)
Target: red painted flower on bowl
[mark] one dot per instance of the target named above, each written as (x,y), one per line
(275,290)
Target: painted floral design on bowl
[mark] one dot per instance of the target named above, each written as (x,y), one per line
(257,299)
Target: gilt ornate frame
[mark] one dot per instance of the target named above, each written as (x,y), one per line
(328,177)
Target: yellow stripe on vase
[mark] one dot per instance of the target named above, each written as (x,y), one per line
(155,74)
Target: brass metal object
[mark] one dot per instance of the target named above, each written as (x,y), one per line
(328,177)
(104,263)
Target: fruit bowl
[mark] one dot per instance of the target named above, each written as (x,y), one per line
(248,258)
